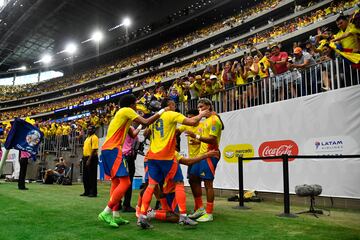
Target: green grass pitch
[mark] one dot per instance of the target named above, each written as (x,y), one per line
(52,212)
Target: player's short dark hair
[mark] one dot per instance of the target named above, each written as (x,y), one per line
(206,101)
(165,102)
(342,17)
(127,100)
(92,127)
(194,112)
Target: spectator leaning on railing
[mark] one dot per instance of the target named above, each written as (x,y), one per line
(301,61)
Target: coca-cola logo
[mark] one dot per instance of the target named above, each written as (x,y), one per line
(278,148)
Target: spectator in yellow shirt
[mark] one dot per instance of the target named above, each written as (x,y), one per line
(348,35)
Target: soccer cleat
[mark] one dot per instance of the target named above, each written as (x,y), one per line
(113,223)
(144,223)
(120,221)
(151,214)
(186,221)
(207,217)
(105,217)
(198,213)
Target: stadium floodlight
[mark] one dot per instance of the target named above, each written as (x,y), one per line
(46,59)
(70,48)
(126,22)
(22,68)
(97,36)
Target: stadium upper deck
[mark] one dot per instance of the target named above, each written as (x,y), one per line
(318,16)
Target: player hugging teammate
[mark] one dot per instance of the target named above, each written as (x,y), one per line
(163,161)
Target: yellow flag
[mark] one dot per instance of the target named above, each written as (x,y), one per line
(29,120)
(353,57)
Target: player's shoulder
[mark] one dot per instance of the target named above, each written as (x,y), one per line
(170,114)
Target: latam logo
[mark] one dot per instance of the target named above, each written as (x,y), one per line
(278,148)
(332,145)
(329,146)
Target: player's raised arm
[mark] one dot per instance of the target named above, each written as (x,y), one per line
(195,120)
(209,140)
(150,120)
(193,160)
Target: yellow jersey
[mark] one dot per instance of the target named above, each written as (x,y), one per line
(180,92)
(196,87)
(66,130)
(266,63)
(91,143)
(59,131)
(159,96)
(212,126)
(350,42)
(95,121)
(193,143)
(163,139)
(239,80)
(118,128)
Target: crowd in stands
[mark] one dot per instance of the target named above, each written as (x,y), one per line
(252,67)
(14,92)
(240,68)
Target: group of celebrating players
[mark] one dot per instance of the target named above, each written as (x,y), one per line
(164,178)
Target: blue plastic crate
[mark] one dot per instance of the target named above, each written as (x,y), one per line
(137,181)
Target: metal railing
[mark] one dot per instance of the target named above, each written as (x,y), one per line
(322,77)
(285,160)
(59,143)
(71,143)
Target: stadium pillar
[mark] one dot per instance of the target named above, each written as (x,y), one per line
(241,185)
(39,73)
(3,160)
(286,213)
(13,82)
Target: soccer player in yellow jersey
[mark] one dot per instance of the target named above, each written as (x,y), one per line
(193,143)
(111,155)
(205,170)
(161,164)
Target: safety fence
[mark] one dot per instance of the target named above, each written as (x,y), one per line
(322,77)
(285,160)
(60,143)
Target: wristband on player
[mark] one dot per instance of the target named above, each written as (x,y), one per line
(139,127)
(197,136)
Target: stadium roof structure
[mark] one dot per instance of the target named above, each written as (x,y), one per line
(31,28)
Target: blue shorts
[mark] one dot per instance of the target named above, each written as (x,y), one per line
(205,169)
(171,201)
(114,163)
(146,170)
(164,171)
